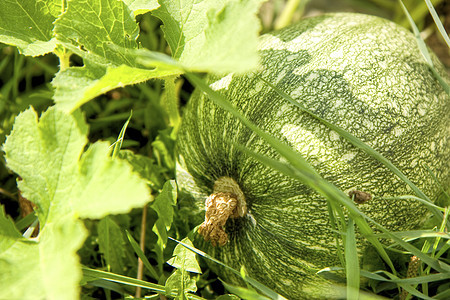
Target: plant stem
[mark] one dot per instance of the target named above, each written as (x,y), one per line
(140,271)
(64,60)
(287,14)
(172,101)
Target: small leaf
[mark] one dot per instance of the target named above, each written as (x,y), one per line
(180,283)
(163,206)
(145,167)
(184,258)
(163,148)
(184,261)
(111,244)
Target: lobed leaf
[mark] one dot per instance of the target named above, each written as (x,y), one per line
(140,7)
(212,35)
(48,268)
(28,25)
(181,281)
(103,33)
(65,183)
(184,259)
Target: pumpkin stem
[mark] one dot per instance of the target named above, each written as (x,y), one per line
(226,201)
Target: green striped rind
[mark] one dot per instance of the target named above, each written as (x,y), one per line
(361,73)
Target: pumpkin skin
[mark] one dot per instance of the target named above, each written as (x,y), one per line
(362,73)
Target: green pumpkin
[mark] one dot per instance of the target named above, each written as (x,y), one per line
(363,74)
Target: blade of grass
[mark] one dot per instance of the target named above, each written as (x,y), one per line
(423,201)
(103,275)
(267,291)
(416,234)
(405,284)
(336,232)
(243,293)
(413,280)
(26,221)
(137,249)
(118,144)
(424,50)
(438,22)
(444,295)
(351,262)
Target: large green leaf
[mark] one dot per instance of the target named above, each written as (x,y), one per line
(103,33)
(47,268)
(66,183)
(212,35)
(64,180)
(28,25)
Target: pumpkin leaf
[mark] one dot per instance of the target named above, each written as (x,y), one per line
(28,25)
(139,7)
(105,36)
(46,267)
(212,35)
(65,179)
(66,183)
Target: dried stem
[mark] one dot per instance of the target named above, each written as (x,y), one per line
(227,201)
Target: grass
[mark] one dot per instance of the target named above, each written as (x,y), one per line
(149,131)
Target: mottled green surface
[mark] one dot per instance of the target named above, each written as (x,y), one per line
(362,73)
